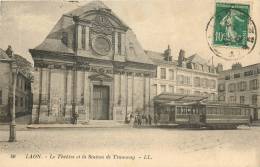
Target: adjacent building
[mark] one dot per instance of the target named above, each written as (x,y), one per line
(241,85)
(13,65)
(90,64)
(188,75)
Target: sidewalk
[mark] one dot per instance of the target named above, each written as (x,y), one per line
(50,126)
(256,123)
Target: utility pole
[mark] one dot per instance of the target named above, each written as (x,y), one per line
(12,136)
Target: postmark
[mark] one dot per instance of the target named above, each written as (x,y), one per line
(231,32)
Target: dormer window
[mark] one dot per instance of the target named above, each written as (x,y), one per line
(64,38)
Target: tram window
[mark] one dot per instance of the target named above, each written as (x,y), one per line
(209,111)
(234,111)
(222,111)
(239,111)
(179,110)
(247,112)
(226,112)
(215,111)
(188,110)
(183,110)
(242,111)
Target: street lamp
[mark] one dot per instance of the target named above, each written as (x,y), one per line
(12,136)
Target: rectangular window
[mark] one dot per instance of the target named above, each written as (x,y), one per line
(187,80)
(227,77)
(180,91)
(171,74)
(83,37)
(163,73)
(248,73)
(163,88)
(221,98)
(180,79)
(1,97)
(237,75)
(232,99)
(242,99)
(197,82)
(232,87)
(21,102)
(253,84)
(171,89)
(212,84)
(203,82)
(254,99)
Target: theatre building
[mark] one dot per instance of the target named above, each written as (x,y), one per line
(90,63)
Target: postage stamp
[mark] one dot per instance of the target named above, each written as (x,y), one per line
(230,28)
(231,32)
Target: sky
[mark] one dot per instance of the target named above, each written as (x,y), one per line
(156,23)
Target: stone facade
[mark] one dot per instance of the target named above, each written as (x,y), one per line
(241,85)
(190,75)
(92,64)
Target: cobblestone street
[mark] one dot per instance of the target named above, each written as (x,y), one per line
(177,147)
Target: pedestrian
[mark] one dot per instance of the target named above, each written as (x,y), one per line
(75,117)
(144,118)
(155,118)
(150,119)
(139,119)
(251,119)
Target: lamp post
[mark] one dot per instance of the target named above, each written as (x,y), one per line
(12,137)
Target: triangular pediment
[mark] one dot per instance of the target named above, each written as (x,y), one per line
(95,10)
(100,77)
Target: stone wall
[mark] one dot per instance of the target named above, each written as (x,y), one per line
(53,95)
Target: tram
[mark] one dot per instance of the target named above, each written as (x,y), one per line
(197,111)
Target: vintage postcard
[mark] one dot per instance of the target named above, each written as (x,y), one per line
(130,83)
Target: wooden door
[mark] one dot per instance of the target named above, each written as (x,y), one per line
(101,103)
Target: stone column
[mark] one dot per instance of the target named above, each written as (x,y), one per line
(123,44)
(87,37)
(79,27)
(116,44)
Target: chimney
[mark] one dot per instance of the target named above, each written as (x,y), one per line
(181,57)
(9,51)
(219,68)
(168,54)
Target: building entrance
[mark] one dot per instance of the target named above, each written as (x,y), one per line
(100,102)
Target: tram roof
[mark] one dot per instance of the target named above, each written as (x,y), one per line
(178,98)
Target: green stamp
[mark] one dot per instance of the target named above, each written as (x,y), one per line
(231,25)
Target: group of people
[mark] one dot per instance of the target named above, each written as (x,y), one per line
(139,119)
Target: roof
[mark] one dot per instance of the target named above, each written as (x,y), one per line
(158,58)
(178,98)
(195,58)
(94,5)
(3,55)
(25,67)
(53,42)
